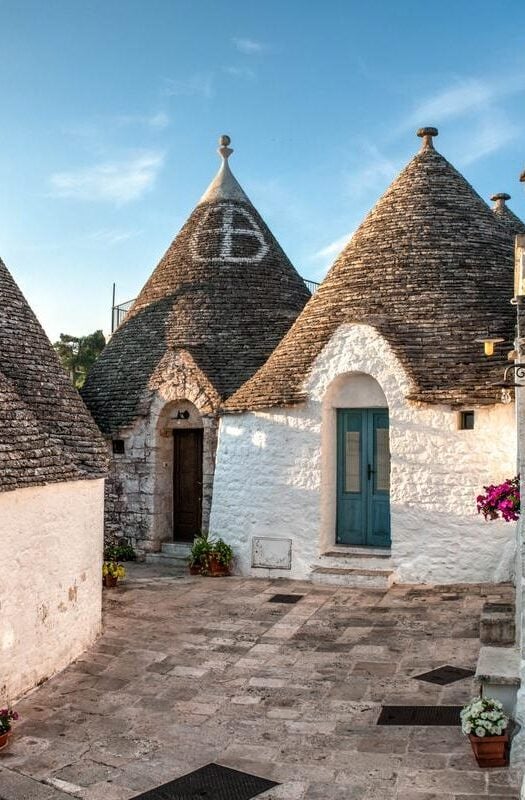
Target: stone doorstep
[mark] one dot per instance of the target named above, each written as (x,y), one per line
(499,665)
(361,552)
(498,673)
(354,577)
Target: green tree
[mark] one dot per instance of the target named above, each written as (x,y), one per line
(78,353)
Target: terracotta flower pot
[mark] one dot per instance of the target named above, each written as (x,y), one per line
(490,751)
(110,581)
(4,738)
(195,569)
(216,569)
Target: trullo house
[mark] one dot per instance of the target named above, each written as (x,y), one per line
(355,454)
(218,303)
(52,467)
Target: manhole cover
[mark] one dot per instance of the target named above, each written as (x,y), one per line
(419,715)
(211,782)
(444,675)
(286,598)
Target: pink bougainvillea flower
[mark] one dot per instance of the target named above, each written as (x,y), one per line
(501,500)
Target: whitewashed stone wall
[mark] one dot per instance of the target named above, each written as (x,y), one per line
(275,471)
(50,591)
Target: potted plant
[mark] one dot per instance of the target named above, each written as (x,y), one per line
(485,723)
(220,559)
(111,572)
(199,554)
(119,550)
(7,717)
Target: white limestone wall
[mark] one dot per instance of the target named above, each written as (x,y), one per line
(50,588)
(275,471)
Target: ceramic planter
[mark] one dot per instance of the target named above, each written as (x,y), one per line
(195,569)
(490,751)
(4,738)
(110,581)
(216,569)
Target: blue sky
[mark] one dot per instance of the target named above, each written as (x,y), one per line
(111,111)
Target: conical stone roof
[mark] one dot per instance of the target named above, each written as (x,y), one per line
(224,293)
(505,215)
(431,268)
(46,432)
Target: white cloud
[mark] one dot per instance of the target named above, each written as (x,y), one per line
(201,83)
(157,121)
(488,135)
(249,47)
(464,96)
(240,72)
(375,171)
(112,236)
(334,248)
(117,181)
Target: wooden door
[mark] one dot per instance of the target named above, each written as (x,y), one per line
(363,477)
(187,484)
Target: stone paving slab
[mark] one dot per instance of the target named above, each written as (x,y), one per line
(194,670)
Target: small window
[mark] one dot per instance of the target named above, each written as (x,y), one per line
(118,447)
(466,420)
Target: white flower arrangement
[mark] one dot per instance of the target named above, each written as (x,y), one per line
(484,717)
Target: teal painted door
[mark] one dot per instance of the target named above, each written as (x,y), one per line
(363,477)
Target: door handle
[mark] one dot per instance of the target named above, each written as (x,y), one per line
(370,471)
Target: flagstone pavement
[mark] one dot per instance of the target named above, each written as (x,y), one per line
(194,670)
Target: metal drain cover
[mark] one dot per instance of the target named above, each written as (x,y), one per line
(286,598)
(419,715)
(211,782)
(444,675)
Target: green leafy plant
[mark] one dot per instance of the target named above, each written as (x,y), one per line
(7,716)
(200,551)
(222,552)
(120,550)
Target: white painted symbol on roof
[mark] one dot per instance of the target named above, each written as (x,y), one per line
(227,234)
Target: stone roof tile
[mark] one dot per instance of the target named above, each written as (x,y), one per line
(430,268)
(46,432)
(225,292)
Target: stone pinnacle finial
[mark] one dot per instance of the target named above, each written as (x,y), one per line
(225,150)
(499,200)
(427,134)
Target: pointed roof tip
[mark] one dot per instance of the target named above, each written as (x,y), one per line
(224,186)
(427,134)
(224,149)
(499,201)
(522,177)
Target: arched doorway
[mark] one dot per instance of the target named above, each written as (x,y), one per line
(179,472)
(356,464)
(187,483)
(363,477)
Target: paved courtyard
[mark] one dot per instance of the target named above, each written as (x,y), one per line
(195,670)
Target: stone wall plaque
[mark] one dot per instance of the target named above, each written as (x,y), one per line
(271,553)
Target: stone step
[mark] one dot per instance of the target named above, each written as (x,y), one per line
(354,577)
(358,558)
(349,551)
(166,559)
(181,549)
